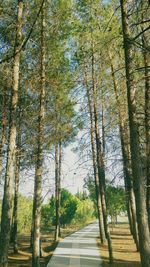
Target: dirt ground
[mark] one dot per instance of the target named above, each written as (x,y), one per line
(24,255)
(124,249)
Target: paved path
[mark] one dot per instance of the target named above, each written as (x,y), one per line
(78,250)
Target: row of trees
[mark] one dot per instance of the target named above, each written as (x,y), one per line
(113,57)
(58,54)
(37,111)
(75,210)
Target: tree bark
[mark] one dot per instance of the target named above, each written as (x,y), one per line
(3,133)
(57,199)
(31,232)
(129,215)
(146,56)
(16,195)
(9,176)
(147,123)
(59,188)
(102,184)
(126,160)
(39,164)
(138,176)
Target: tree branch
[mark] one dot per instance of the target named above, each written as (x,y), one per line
(146,29)
(27,38)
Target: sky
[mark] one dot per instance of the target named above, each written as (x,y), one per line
(74,170)
(73,175)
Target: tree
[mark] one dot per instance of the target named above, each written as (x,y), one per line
(116,202)
(57,191)
(94,157)
(39,163)
(17,180)
(138,176)
(146,58)
(68,208)
(9,175)
(68,204)
(124,137)
(4,122)
(84,212)
(75,77)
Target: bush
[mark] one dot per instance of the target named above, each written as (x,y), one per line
(85,211)
(72,210)
(24,214)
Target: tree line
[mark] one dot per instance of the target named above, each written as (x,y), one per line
(53,54)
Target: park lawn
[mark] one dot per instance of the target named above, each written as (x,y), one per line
(124,249)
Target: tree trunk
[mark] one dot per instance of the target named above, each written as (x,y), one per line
(59,188)
(39,164)
(138,177)
(103,195)
(146,56)
(17,179)
(31,232)
(97,186)
(9,176)
(98,194)
(3,134)
(57,200)
(129,215)
(100,160)
(126,161)
(147,122)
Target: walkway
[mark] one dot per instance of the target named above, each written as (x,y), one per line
(78,250)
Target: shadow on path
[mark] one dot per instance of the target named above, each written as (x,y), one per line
(78,250)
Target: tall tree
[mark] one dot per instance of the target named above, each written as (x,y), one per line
(39,163)
(124,136)
(138,176)
(100,158)
(4,121)
(14,228)
(146,57)
(57,195)
(94,157)
(9,176)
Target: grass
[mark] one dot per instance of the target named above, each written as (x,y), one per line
(124,249)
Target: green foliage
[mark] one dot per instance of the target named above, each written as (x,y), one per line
(90,185)
(85,211)
(82,195)
(115,197)
(67,210)
(116,202)
(74,209)
(24,214)
(48,213)
(46,218)
(69,205)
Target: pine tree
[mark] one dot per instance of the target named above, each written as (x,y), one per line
(39,158)
(138,177)
(9,175)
